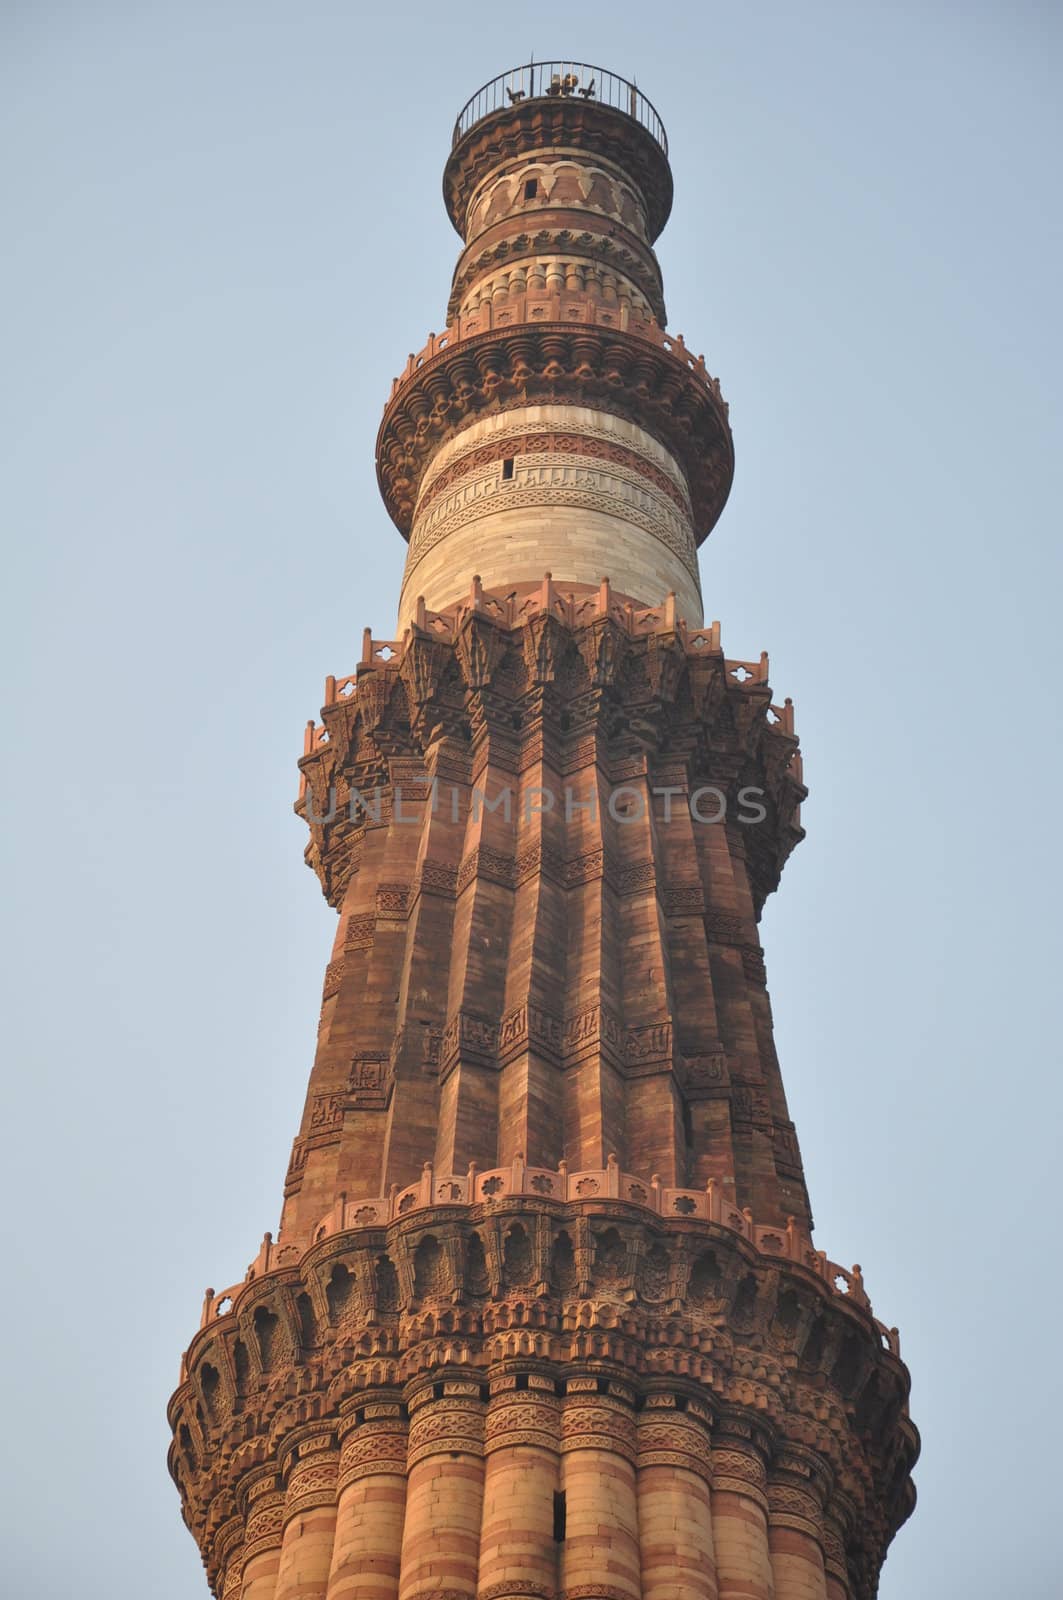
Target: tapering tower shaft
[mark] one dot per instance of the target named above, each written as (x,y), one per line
(544,1320)
(553,426)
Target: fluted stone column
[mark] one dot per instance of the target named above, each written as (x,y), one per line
(796,1560)
(518,1550)
(228,1559)
(740,1521)
(262,1541)
(600,1553)
(444,1493)
(675,1513)
(834,1562)
(309,1518)
(795,1525)
(371,1507)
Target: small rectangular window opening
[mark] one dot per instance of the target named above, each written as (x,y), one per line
(531,188)
(559,1516)
(507,467)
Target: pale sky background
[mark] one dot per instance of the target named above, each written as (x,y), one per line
(222,234)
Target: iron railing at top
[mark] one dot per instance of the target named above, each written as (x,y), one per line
(558,79)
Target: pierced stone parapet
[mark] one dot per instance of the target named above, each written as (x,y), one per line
(524,304)
(494,1186)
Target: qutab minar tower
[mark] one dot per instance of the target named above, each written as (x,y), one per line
(544,1317)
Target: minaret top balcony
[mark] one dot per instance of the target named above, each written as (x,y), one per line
(561,106)
(560,80)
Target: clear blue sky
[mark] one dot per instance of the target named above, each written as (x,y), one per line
(223,234)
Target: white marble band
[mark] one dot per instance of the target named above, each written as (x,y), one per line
(583,495)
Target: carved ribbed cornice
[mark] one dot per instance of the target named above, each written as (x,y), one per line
(642,375)
(559,123)
(546,671)
(786,1421)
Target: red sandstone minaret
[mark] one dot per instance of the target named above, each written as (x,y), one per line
(544,1317)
